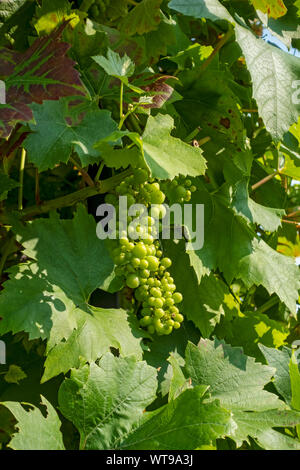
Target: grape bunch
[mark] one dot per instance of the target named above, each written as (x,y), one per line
(140,261)
(98,9)
(179,190)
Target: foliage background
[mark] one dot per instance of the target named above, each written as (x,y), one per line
(94,89)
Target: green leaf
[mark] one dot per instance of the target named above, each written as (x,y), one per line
(48,436)
(41,298)
(234,378)
(252,328)
(295,382)
(14,374)
(121,158)
(64,249)
(239,252)
(210,9)
(6,184)
(178,383)
(274,96)
(143,18)
(168,156)
(269,218)
(104,401)
(260,426)
(95,333)
(280,359)
(213,297)
(266,64)
(115,65)
(185,423)
(238,382)
(53,139)
(30,303)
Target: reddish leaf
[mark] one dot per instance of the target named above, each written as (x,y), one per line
(43,72)
(160,90)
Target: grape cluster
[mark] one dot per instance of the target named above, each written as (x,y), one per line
(179,190)
(140,262)
(98,8)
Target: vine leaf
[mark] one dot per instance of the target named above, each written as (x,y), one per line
(210,9)
(239,253)
(42,72)
(14,374)
(280,359)
(143,18)
(168,156)
(48,436)
(6,184)
(94,334)
(274,8)
(213,297)
(53,138)
(238,382)
(275,97)
(64,249)
(49,298)
(267,65)
(104,401)
(185,423)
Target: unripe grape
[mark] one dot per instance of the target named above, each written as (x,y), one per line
(176,325)
(146,273)
(151,329)
(177,297)
(146,321)
(178,317)
(139,251)
(132,281)
(135,262)
(166,262)
(144,263)
(169,302)
(180,192)
(153,263)
(159,312)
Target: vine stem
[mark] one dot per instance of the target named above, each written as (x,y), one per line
(121,104)
(219,46)
(86,5)
(293,214)
(22,167)
(97,177)
(85,175)
(5,254)
(264,180)
(101,187)
(269,304)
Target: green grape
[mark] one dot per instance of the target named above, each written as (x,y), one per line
(146,321)
(153,263)
(144,263)
(135,262)
(166,262)
(145,273)
(159,312)
(139,251)
(177,297)
(141,262)
(132,281)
